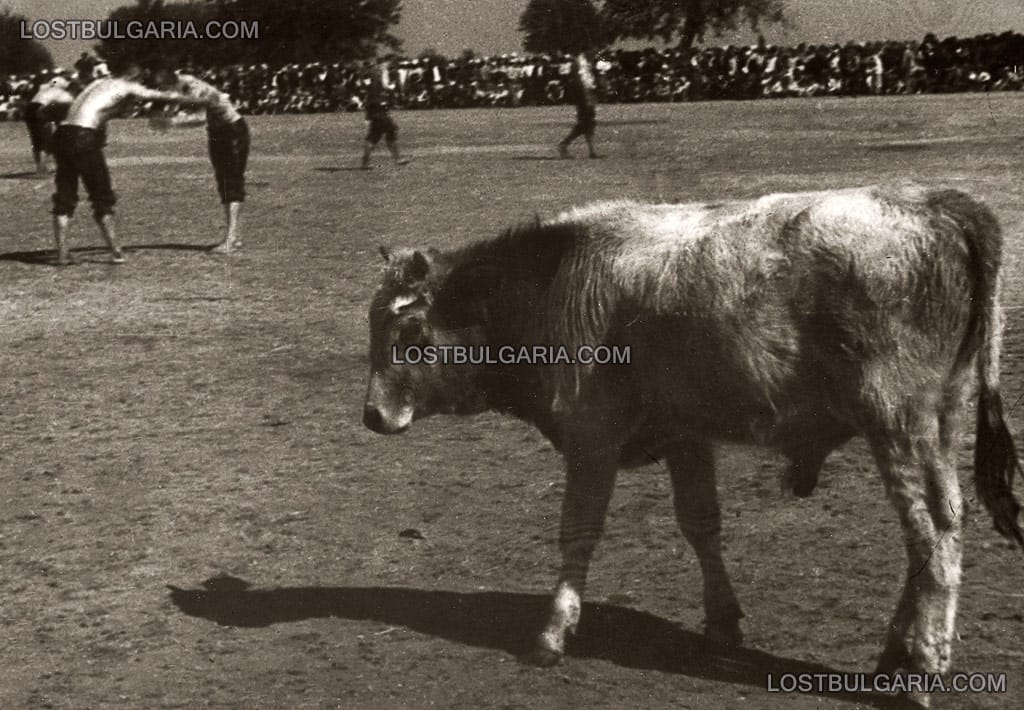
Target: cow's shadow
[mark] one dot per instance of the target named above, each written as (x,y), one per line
(504,621)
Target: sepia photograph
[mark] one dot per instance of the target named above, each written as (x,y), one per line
(462,354)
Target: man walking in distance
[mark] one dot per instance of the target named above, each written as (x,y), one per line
(78,148)
(379,121)
(228,142)
(583,91)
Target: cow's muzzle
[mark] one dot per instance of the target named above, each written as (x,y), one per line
(374,420)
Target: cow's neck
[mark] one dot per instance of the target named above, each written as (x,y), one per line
(503,287)
(518,389)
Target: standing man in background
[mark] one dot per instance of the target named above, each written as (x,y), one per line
(378,118)
(583,92)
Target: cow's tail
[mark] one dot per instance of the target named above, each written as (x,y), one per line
(995,456)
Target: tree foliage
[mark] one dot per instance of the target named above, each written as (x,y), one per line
(17,55)
(688,20)
(292,31)
(562,25)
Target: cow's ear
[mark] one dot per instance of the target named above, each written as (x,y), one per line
(418,267)
(385,252)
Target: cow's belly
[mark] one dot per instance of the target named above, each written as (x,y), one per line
(813,427)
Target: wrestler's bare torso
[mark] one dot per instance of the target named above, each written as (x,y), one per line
(55,91)
(219,109)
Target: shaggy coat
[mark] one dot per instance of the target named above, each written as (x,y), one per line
(794,321)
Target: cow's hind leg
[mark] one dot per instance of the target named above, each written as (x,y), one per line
(918,468)
(692,468)
(590,478)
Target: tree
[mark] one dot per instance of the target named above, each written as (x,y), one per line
(18,55)
(293,31)
(687,19)
(562,26)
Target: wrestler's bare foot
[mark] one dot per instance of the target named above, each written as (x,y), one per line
(226,248)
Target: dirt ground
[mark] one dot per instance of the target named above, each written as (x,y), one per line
(192,515)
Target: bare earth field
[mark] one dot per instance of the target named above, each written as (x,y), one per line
(192,515)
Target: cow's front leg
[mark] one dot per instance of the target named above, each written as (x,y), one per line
(590,479)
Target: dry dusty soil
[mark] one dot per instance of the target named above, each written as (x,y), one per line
(192,515)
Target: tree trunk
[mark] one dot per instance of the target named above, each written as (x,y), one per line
(693,24)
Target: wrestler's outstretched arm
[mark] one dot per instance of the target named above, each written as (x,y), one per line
(144,93)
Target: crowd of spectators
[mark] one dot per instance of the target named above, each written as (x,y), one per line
(986,62)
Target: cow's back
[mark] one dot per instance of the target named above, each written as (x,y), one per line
(753,313)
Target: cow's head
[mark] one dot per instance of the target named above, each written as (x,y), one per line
(404,313)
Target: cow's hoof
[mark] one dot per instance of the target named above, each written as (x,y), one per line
(543,657)
(724,635)
(895,657)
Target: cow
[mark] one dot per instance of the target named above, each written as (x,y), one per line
(793,321)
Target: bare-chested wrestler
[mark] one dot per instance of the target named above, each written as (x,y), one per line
(228,141)
(78,148)
(49,106)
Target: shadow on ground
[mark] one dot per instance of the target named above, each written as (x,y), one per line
(25,175)
(504,621)
(93,255)
(569,118)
